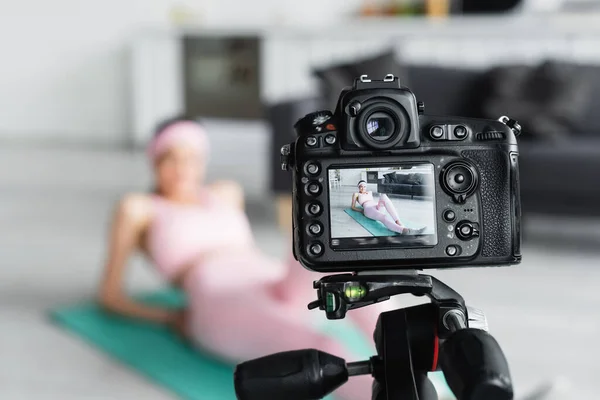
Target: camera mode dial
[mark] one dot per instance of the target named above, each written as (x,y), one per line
(313,122)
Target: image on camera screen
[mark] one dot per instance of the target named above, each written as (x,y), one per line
(382,206)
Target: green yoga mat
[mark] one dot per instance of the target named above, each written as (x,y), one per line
(157,353)
(375,228)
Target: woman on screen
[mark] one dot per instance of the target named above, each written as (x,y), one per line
(372,209)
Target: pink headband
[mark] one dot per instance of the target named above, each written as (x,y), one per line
(188,133)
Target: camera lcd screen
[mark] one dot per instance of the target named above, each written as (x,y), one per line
(382,207)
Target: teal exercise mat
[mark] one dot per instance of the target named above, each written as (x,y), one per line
(375,228)
(162,357)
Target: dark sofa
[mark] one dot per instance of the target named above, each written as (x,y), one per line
(412,185)
(558,105)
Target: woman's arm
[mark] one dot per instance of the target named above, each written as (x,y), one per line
(130,220)
(354,200)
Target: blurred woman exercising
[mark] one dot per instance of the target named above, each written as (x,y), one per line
(241,303)
(372,210)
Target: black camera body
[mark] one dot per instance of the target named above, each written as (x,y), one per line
(380,185)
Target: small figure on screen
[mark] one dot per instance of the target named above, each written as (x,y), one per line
(373,209)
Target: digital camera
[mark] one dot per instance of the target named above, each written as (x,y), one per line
(381,185)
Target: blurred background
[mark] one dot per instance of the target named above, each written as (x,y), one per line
(84,83)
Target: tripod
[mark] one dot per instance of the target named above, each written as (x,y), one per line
(410,342)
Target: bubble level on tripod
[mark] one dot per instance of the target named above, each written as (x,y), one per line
(355,292)
(330,302)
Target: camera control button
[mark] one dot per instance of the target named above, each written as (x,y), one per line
(452,250)
(466,230)
(311,141)
(449,216)
(313,188)
(330,139)
(316,249)
(460,132)
(315,229)
(314,209)
(437,132)
(313,168)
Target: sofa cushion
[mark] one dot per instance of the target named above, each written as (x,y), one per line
(548,100)
(589,123)
(445,91)
(334,78)
(389,178)
(570,169)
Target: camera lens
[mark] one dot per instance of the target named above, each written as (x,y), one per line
(380,126)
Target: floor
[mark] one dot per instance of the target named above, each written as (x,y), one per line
(54,205)
(412,213)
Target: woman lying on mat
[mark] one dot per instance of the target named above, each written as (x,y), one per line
(241,303)
(372,209)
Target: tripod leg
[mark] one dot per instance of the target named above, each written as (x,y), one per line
(425,387)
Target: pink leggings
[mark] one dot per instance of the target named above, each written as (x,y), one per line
(372,210)
(240,322)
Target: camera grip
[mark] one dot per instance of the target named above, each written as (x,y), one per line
(497,217)
(292,375)
(475,367)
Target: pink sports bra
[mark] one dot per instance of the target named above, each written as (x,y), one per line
(364,197)
(181,234)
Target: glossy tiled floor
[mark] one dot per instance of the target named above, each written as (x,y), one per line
(53,211)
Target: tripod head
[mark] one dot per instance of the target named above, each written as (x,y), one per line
(444,334)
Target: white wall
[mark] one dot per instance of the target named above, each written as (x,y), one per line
(65,63)
(350,177)
(64,66)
